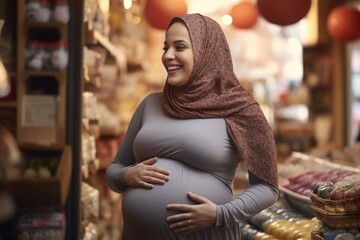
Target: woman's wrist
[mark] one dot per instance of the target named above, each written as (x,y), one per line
(218,218)
(124,176)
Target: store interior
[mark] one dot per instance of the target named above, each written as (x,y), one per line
(73,72)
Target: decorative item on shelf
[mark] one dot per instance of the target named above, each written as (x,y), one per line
(46,55)
(244,14)
(158,13)
(47,11)
(40,167)
(41,225)
(38,10)
(42,111)
(282,12)
(61,12)
(343,23)
(90,10)
(94,59)
(59,55)
(34,53)
(90,197)
(91,131)
(90,230)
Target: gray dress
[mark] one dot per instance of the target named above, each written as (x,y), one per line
(201,159)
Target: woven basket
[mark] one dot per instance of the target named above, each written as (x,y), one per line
(350,205)
(337,220)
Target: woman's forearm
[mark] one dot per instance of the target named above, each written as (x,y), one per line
(251,201)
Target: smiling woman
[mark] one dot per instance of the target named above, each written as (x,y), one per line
(178,57)
(183,146)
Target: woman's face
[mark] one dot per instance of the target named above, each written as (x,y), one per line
(178,58)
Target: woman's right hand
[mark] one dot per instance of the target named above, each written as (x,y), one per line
(144,175)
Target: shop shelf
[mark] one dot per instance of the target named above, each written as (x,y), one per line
(37,192)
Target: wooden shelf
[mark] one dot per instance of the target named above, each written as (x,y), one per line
(41,73)
(8,104)
(46,25)
(43,192)
(40,147)
(62,28)
(36,134)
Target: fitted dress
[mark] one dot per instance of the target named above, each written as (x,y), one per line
(200,158)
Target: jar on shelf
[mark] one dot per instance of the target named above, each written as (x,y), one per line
(59,56)
(33,55)
(61,11)
(38,10)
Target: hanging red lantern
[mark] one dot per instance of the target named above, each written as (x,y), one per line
(158,13)
(343,23)
(244,14)
(283,12)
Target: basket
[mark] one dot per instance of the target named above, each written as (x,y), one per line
(315,235)
(337,220)
(349,205)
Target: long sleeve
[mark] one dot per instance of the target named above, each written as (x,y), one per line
(259,196)
(124,157)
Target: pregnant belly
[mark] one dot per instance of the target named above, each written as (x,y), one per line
(147,207)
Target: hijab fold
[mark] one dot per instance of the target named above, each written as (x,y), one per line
(213,91)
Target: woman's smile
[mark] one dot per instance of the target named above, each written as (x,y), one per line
(173,68)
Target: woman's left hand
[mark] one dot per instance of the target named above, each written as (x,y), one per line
(193,217)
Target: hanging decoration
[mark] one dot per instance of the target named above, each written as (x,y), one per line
(283,12)
(158,13)
(343,23)
(244,15)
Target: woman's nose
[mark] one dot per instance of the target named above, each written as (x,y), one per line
(169,54)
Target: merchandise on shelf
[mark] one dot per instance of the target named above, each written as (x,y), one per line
(279,221)
(46,55)
(90,198)
(41,226)
(340,206)
(47,11)
(330,190)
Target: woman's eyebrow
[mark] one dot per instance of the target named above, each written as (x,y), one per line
(181,41)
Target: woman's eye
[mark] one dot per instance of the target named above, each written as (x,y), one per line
(165,48)
(181,47)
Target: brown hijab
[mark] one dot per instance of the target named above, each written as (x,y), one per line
(213,91)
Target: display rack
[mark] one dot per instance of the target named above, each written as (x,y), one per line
(41,93)
(98,218)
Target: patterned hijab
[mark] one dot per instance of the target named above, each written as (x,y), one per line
(213,91)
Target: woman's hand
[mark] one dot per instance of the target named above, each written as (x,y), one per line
(193,217)
(144,175)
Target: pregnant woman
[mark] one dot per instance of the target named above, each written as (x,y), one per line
(183,146)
